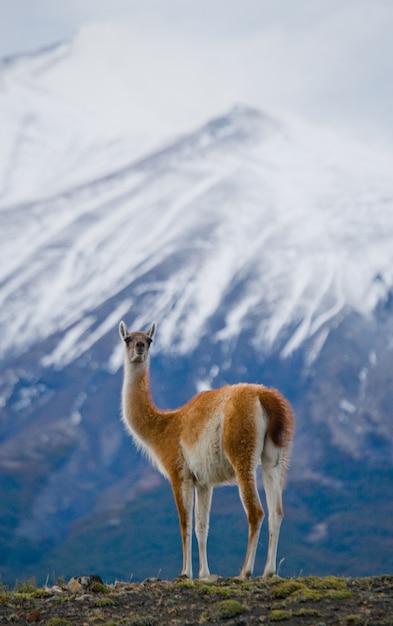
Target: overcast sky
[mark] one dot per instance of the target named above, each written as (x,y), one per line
(327,60)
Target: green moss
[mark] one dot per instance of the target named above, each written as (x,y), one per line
(307,613)
(105,601)
(205,588)
(59,621)
(285,588)
(307,595)
(254,583)
(4,597)
(311,589)
(184,584)
(40,593)
(20,596)
(97,587)
(28,590)
(333,594)
(354,618)
(211,590)
(229,608)
(326,582)
(279,615)
(224,609)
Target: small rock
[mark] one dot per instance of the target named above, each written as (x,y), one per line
(151,581)
(79,584)
(86,597)
(55,590)
(212,578)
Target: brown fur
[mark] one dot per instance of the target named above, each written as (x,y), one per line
(218,436)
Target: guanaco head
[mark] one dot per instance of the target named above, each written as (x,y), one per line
(137,343)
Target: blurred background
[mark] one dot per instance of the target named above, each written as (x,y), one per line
(226,169)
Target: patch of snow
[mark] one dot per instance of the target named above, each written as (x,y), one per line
(318,533)
(77,340)
(347,406)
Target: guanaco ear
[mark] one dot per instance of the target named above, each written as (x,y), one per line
(123,332)
(152,330)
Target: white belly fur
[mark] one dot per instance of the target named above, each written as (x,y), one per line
(205,459)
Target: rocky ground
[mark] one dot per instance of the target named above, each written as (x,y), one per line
(86,601)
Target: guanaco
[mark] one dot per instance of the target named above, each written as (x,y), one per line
(219,436)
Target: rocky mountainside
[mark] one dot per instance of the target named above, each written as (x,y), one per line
(263,248)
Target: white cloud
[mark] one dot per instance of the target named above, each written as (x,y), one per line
(330,61)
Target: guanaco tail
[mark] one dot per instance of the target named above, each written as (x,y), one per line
(219,436)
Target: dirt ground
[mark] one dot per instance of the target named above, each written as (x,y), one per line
(86,601)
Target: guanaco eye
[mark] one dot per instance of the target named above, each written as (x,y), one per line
(127,340)
(149,341)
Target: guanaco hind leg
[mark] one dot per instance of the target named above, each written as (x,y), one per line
(252,505)
(273,469)
(203,502)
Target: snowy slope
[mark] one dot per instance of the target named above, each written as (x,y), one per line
(301,218)
(65,116)
(103,99)
(91,201)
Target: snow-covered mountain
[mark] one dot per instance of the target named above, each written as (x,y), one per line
(261,245)
(309,219)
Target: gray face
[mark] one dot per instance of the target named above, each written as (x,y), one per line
(137,346)
(137,343)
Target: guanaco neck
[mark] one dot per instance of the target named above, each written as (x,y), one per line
(139,412)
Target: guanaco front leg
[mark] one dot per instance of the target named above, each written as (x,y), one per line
(184,498)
